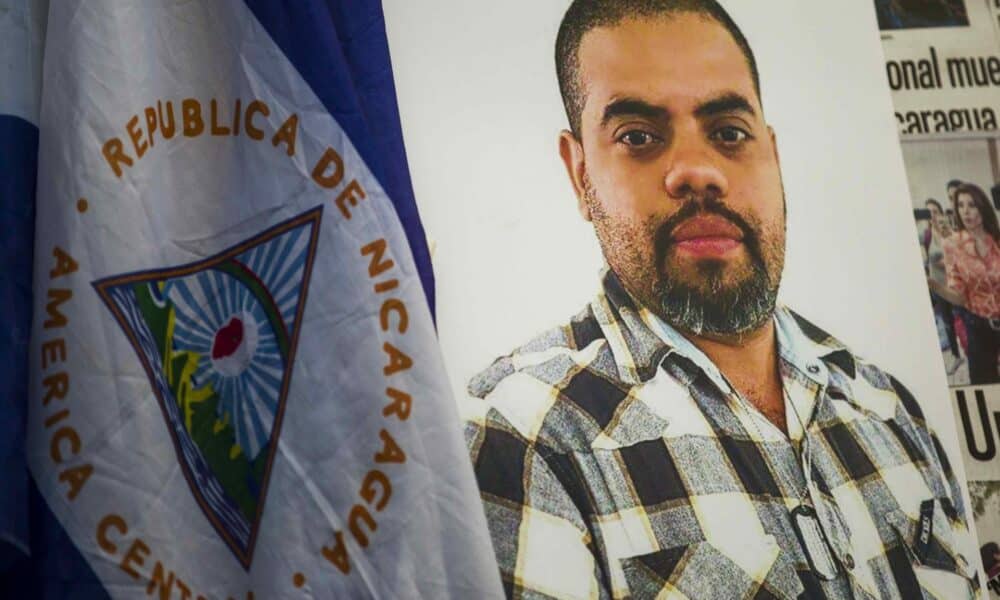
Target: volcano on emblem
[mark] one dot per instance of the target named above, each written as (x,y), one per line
(217,340)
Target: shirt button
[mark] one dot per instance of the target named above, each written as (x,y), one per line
(849,562)
(813,369)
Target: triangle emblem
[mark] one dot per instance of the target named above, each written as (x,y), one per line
(217,339)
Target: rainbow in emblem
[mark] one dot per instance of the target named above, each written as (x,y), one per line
(217,340)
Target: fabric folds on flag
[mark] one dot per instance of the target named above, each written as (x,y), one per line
(235,387)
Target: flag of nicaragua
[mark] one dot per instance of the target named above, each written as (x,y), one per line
(235,386)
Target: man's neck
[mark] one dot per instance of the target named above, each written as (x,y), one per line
(750,364)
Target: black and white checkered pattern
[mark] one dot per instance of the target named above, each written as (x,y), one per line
(611,465)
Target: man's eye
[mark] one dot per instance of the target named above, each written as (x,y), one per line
(730,135)
(637,138)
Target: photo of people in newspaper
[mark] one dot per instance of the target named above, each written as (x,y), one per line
(960,242)
(990,554)
(986,510)
(912,14)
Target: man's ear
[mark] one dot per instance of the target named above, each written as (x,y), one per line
(571,152)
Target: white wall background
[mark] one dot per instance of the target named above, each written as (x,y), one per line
(481,112)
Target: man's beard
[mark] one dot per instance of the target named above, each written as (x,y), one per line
(726,312)
(721,302)
(713,305)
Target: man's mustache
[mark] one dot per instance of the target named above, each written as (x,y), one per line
(708,206)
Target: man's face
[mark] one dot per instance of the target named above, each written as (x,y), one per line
(679,173)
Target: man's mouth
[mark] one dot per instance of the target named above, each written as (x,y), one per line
(707,236)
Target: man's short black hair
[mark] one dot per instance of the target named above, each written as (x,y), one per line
(954,183)
(584,15)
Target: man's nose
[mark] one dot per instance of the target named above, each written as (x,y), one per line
(694,171)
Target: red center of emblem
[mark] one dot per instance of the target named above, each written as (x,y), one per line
(227,339)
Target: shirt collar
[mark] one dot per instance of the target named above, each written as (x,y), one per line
(682,346)
(798,350)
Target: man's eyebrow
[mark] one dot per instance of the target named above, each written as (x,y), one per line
(726,103)
(632,107)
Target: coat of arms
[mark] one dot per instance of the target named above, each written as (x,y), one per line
(217,338)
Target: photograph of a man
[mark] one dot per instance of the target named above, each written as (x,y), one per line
(686,435)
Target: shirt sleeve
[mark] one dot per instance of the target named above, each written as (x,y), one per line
(542,544)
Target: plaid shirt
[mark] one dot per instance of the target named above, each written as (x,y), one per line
(614,460)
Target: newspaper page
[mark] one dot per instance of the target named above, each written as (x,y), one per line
(943,67)
(942,64)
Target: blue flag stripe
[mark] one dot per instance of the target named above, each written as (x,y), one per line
(340,47)
(55,569)
(18,162)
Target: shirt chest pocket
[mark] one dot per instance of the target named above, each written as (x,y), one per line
(702,571)
(927,563)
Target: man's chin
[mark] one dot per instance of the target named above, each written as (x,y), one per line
(709,276)
(716,298)
(721,315)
